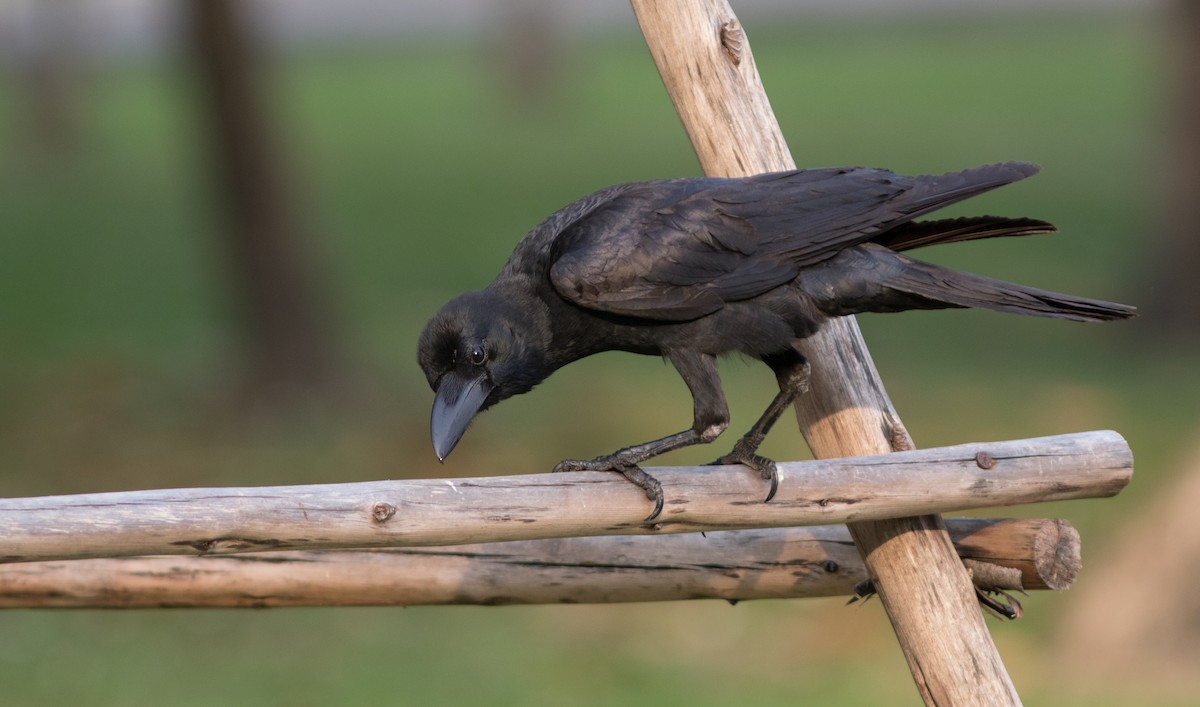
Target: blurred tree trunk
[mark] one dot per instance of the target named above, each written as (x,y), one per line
(1173,297)
(286,331)
(50,77)
(529,48)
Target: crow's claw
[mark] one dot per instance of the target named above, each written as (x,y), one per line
(863,590)
(1010,609)
(766,468)
(632,472)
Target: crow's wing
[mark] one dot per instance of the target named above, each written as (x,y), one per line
(680,249)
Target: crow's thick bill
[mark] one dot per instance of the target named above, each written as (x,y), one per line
(690,269)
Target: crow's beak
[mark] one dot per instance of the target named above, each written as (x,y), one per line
(458,399)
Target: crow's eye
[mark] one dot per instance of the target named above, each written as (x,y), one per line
(478,355)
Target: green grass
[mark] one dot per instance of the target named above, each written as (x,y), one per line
(117,343)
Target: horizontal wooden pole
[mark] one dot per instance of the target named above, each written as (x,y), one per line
(734,565)
(425,512)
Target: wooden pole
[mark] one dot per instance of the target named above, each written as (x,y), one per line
(530,506)
(704,58)
(734,565)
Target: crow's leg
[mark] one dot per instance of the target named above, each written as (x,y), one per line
(625,462)
(710,415)
(791,370)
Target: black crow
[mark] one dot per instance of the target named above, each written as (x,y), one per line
(690,269)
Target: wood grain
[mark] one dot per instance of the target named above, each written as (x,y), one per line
(734,565)
(422,512)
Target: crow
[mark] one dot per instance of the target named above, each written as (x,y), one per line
(693,268)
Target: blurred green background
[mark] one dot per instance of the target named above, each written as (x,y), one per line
(417,162)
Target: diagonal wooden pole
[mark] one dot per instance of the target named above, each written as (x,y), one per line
(704,58)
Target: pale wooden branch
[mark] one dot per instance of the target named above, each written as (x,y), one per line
(490,509)
(734,565)
(706,64)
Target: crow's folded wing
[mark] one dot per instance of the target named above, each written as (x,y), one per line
(680,249)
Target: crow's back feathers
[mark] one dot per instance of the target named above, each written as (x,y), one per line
(678,250)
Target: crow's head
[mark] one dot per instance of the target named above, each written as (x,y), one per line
(479,349)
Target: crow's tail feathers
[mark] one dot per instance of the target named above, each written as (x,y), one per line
(941,287)
(918,234)
(937,285)
(932,192)
(871,278)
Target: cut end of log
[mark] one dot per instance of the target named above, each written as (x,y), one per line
(1056,553)
(1047,551)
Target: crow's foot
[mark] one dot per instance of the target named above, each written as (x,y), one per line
(863,590)
(1010,609)
(994,601)
(744,453)
(632,472)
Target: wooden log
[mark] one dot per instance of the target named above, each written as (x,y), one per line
(704,58)
(491,509)
(1046,553)
(734,565)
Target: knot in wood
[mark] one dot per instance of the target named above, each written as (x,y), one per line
(381,512)
(895,433)
(733,40)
